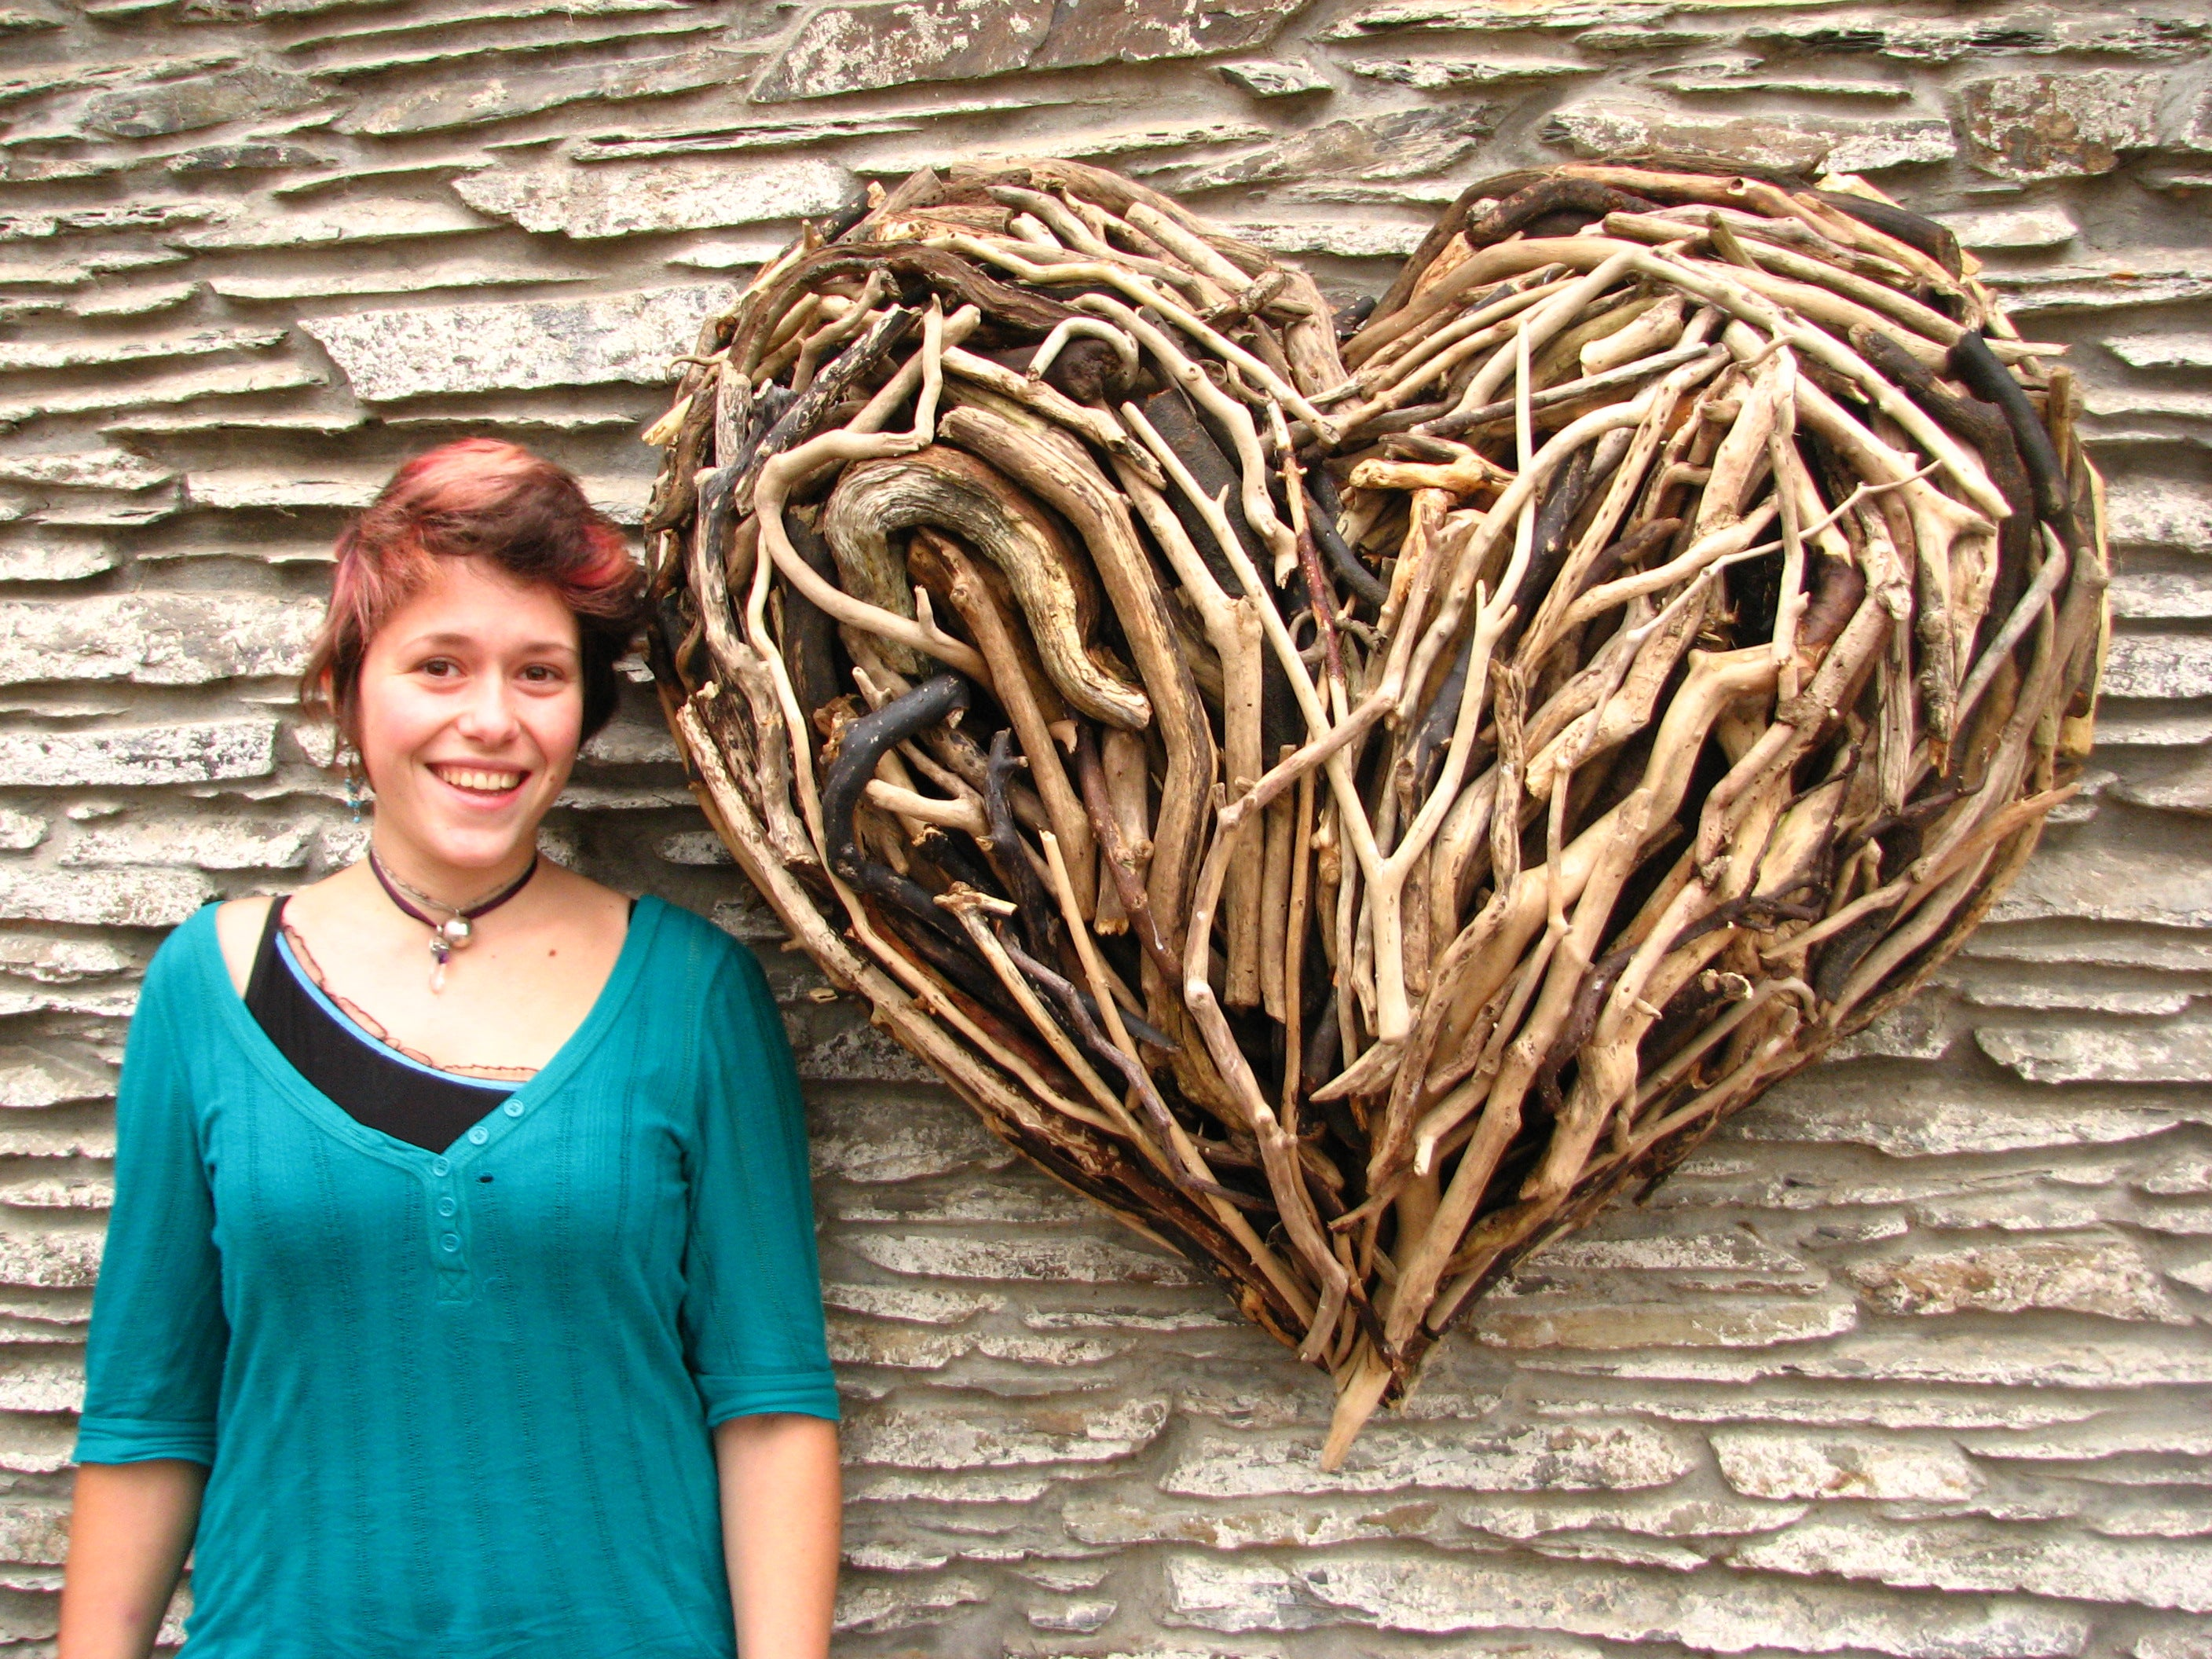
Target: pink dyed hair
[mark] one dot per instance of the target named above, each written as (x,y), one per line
(478,498)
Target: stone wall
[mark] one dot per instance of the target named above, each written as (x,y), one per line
(1911,1361)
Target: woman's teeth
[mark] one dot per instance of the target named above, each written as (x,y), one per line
(490,783)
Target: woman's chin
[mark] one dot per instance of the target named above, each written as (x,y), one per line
(475,845)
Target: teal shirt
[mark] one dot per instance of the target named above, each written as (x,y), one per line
(459,1403)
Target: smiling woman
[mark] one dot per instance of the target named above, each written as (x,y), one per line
(460,1294)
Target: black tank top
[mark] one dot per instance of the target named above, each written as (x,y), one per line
(377,1085)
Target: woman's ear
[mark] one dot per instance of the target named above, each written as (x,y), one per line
(344,716)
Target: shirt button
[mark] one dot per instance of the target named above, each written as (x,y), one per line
(446,1206)
(450,1241)
(478,1135)
(439,1166)
(514,1109)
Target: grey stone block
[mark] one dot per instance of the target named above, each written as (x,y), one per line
(390,355)
(638,198)
(2049,125)
(190,752)
(857,48)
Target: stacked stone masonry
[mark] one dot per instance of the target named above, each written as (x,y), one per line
(1911,1360)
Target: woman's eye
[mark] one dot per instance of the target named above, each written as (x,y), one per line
(439,667)
(544,673)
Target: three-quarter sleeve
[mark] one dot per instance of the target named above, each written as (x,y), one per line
(154,1358)
(751,1312)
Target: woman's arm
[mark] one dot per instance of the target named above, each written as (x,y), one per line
(130,1528)
(781,1507)
(155,1356)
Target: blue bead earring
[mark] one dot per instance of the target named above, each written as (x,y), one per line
(352,760)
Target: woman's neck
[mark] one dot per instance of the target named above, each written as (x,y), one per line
(451,886)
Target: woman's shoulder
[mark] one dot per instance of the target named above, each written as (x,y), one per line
(189,940)
(178,972)
(707,991)
(687,943)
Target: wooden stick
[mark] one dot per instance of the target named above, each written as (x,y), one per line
(1013,683)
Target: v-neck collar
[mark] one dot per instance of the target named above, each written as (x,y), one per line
(498,1121)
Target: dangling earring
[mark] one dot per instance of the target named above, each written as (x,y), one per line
(351,759)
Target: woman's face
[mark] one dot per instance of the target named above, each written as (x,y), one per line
(471,709)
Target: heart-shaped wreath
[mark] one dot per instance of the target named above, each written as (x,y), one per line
(1350,806)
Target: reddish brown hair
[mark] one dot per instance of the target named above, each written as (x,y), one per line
(478,498)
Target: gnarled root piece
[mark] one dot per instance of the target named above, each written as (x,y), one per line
(1354,822)
(953,491)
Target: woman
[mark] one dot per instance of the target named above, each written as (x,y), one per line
(460,1295)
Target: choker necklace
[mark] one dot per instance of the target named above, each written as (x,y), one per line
(454,932)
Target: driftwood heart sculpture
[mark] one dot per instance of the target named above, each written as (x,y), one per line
(1351,809)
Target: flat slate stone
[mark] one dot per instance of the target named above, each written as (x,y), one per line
(134,302)
(1264,78)
(1946,39)
(284,489)
(370,220)
(49,561)
(614,200)
(2011,228)
(204,101)
(1733,76)
(2059,126)
(2163,350)
(155,638)
(1490,16)
(255,155)
(2096,287)
(195,844)
(1783,1464)
(865,1609)
(113,391)
(1440,1594)
(460,100)
(857,48)
(1950,1557)
(937,1438)
(100,353)
(1393,1456)
(719,139)
(415,353)
(2097,1273)
(1370,239)
(2170,1051)
(1406,144)
(201,751)
(1450,74)
(2159,665)
(113,469)
(1787,144)
(413,276)
(132,215)
(1055,1259)
(103,898)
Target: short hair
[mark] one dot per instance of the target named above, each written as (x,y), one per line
(477,498)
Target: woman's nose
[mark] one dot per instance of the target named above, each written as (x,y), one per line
(489,715)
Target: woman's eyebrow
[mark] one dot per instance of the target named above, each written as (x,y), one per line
(448,640)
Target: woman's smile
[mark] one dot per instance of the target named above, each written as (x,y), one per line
(487,786)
